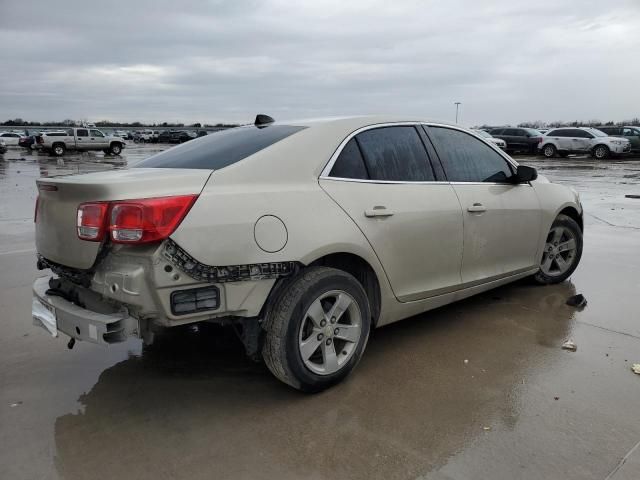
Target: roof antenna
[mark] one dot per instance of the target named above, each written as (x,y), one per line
(263,120)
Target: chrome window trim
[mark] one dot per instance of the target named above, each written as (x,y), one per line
(324,175)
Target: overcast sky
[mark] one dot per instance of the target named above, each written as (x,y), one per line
(506,60)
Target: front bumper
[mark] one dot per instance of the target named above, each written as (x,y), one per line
(56,314)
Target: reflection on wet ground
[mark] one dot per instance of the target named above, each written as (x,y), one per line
(478,389)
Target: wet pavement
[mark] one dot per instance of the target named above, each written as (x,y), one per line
(478,389)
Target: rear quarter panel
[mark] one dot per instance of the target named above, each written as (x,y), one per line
(219,228)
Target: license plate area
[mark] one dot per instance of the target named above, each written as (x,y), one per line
(44,315)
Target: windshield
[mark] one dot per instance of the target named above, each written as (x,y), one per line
(598,133)
(220,149)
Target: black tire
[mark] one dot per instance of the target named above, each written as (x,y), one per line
(58,149)
(549,150)
(601,152)
(115,148)
(568,223)
(286,317)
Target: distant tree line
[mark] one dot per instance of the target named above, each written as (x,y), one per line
(107,123)
(578,123)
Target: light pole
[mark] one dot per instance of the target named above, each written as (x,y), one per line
(457,104)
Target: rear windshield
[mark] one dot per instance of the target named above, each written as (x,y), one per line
(220,149)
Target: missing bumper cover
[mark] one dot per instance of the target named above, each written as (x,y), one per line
(230,273)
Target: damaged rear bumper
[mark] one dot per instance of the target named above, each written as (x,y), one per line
(100,322)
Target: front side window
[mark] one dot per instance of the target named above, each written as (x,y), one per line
(96,133)
(467,159)
(81,132)
(395,154)
(630,132)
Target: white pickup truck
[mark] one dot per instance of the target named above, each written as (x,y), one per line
(81,139)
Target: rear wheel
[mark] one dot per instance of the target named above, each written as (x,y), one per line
(58,149)
(601,152)
(549,151)
(562,251)
(115,148)
(317,330)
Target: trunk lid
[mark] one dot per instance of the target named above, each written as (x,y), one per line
(59,198)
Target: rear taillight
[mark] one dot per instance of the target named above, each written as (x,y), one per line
(91,221)
(539,139)
(35,212)
(133,221)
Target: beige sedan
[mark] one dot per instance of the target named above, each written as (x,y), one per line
(302,235)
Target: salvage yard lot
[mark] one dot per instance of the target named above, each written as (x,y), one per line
(440,396)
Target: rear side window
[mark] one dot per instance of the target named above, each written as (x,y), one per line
(220,149)
(467,159)
(395,154)
(350,163)
(82,133)
(556,133)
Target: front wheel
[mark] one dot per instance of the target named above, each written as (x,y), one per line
(317,330)
(601,152)
(562,251)
(115,149)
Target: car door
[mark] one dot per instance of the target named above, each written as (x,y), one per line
(383,179)
(82,139)
(581,140)
(562,139)
(97,139)
(502,220)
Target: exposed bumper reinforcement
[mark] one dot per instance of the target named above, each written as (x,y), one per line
(57,314)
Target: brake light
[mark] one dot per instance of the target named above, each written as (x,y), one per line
(133,221)
(35,212)
(91,221)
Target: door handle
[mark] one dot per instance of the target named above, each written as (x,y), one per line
(477,208)
(378,211)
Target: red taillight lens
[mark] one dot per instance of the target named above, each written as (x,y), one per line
(133,221)
(149,219)
(91,221)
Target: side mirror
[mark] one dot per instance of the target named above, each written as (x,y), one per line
(525,174)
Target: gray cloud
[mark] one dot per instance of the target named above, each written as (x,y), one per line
(224,61)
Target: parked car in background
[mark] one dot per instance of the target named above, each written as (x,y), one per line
(383,218)
(3,147)
(497,141)
(144,136)
(566,140)
(202,133)
(28,142)
(81,139)
(631,133)
(518,139)
(182,136)
(164,136)
(154,136)
(122,134)
(10,138)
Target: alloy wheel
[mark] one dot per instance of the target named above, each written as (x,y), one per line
(601,152)
(559,251)
(330,332)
